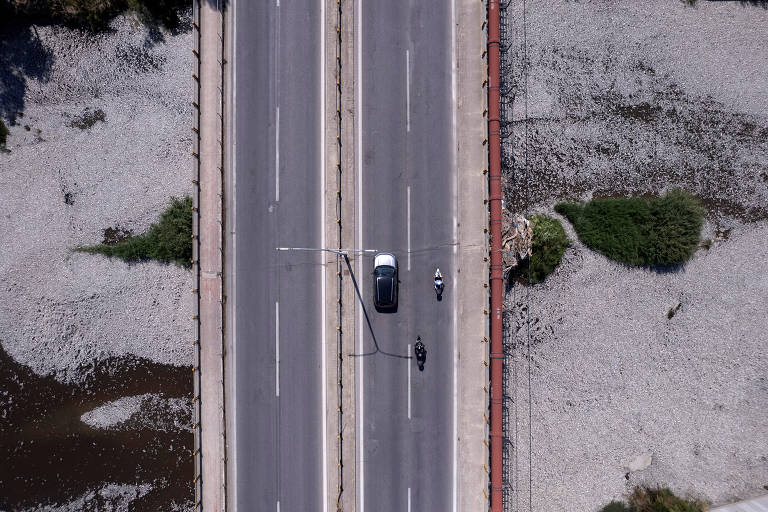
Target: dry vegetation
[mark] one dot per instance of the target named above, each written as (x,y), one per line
(95,15)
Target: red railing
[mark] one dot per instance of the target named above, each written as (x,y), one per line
(496,277)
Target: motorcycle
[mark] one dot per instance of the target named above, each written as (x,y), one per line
(439,285)
(421,353)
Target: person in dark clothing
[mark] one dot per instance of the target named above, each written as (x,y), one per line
(421,353)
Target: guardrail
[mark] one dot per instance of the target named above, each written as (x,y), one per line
(196,413)
(486,364)
(496,275)
(215,244)
(339,269)
(507,91)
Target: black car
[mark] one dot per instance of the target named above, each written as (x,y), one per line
(385,281)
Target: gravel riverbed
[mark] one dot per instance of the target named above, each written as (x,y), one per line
(61,186)
(99,138)
(628,98)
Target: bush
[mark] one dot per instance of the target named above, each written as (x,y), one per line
(616,506)
(3,133)
(639,231)
(95,15)
(170,240)
(162,12)
(547,248)
(660,499)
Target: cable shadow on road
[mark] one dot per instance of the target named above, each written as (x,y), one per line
(368,321)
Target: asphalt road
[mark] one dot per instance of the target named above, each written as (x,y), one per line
(407,207)
(277,407)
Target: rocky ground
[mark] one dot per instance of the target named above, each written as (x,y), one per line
(99,138)
(627,98)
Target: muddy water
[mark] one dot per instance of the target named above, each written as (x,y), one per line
(48,456)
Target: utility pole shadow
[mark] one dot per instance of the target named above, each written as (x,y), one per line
(368,320)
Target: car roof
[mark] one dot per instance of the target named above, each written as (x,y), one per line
(384,258)
(384,289)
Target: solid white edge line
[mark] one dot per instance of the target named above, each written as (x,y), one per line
(359,143)
(408,216)
(323,305)
(454,64)
(277,153)
(277,349)
(233,217)
(407,91)
(408,362)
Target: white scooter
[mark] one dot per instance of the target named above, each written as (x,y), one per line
(439,285)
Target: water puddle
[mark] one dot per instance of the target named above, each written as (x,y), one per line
(50,457)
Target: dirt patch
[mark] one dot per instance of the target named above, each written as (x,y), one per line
(87,119)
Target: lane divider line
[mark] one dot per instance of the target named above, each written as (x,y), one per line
(407,91)
(408,216)
(277,154)
(408,362)
(277,349)
(409,499)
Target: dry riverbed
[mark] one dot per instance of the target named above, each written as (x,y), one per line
(628,98)
(96,353)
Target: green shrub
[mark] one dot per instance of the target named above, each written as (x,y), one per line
(637,230)
(616,506)
(547,247)
(659,499)
(169,240)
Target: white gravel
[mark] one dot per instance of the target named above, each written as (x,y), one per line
(113,413)
(108,498)
(150,410)
(58,309)
(634,97)
(629,98)
(613,378)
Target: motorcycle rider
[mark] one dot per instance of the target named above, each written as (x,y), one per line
(438,281)
(421,352)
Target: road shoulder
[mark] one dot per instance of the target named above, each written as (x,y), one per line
(472,269)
